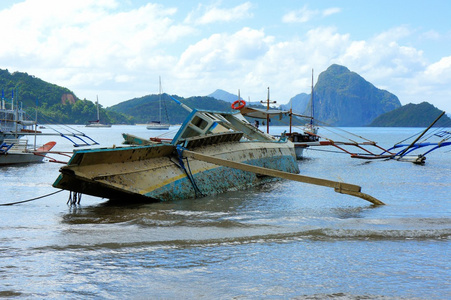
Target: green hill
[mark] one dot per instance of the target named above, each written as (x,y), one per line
(146,109)
(412,115)
(55,104)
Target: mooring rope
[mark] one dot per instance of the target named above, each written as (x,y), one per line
(32,199)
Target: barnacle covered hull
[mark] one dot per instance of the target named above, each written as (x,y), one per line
(159,173)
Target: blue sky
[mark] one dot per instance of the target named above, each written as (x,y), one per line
(118,49)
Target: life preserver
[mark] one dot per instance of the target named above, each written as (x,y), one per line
(238,104)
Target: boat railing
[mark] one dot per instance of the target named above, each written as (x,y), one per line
(16,145)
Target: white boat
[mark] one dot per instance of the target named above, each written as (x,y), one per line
(158,125)
(15,127)
(18,151)
(12,121)
(97,123)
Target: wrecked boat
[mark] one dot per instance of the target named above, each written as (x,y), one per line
(162,171)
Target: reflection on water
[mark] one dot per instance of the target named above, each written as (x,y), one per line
(280,240)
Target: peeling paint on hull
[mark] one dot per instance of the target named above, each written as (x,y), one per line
(159,172)
(154,173)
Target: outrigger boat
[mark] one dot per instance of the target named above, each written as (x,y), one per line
(18,151)
(15,128)
(211,153)
(13,124)
(307,134)
(401,151)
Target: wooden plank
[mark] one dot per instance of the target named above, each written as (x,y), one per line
(339,187)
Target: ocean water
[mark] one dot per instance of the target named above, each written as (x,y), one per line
(284,240)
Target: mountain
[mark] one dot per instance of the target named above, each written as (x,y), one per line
(224,96)
(146,109)
(412,115)
(344,98)
(299,104)
(229,97)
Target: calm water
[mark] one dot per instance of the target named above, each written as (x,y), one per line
(285,240)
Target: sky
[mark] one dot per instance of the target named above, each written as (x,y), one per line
(118,50)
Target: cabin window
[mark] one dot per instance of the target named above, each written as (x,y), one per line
(199,122)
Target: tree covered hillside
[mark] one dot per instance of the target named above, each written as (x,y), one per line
(412,115)
(55,104)
(146,109)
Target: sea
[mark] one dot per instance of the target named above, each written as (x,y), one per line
(282,240)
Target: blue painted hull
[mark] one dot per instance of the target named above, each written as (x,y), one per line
(156,173)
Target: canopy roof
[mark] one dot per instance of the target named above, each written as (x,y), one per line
(261,113)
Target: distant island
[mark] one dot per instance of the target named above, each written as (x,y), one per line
(341,98)
(412,115)
(344,98)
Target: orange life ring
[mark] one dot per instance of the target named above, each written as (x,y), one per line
(240,103)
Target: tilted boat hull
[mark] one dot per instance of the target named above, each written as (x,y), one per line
(157,173)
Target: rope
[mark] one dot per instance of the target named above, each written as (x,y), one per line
(331,151)
(40,197)
(197,191)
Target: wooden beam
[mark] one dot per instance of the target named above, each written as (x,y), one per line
(339,187)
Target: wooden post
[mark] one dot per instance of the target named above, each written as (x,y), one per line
(267,108)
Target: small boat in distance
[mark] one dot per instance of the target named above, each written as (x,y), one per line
(158,125)
(97,122)
(155,125)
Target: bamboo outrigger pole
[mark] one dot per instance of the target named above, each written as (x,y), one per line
(419,137)
(339,187)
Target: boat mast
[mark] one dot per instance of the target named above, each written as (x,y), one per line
(159,77)
(313,107)
(16,112)
(98,115)
(267,108)
(35,124)
(291,116)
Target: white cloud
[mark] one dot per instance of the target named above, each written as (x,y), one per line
(331,11)
(96,47)
(221,60)
(431,35)
(79,43)
(304,14)
(212,14)
(440,71)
